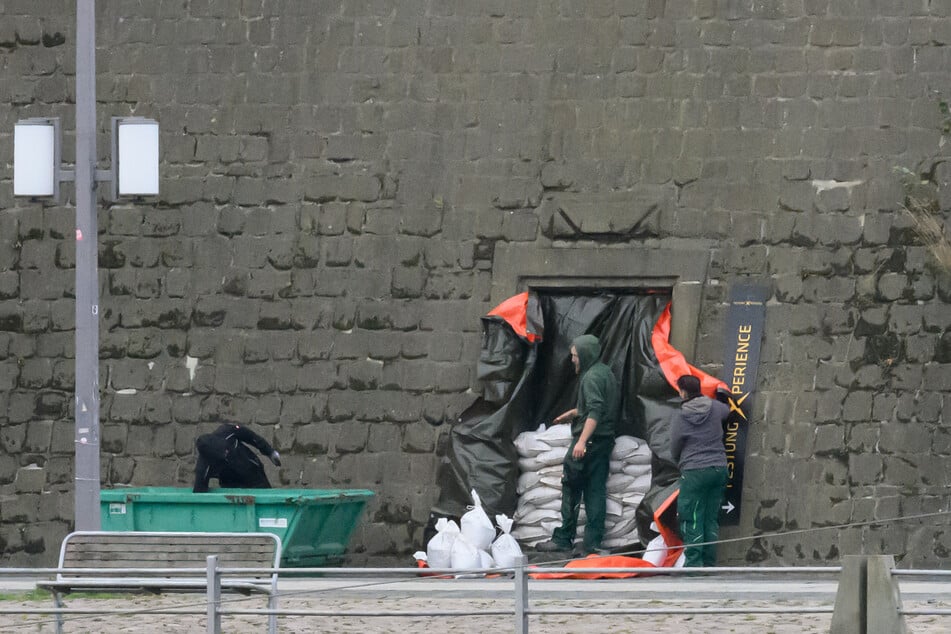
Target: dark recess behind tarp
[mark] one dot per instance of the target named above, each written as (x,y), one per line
(524,386)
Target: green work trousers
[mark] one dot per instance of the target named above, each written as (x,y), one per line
(585,479)
(698,510)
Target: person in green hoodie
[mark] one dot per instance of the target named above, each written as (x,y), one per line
(586,464)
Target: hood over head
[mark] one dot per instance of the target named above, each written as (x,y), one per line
(694,411)
(589,351)
(214,447)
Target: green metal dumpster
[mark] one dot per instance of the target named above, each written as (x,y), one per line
(314,525)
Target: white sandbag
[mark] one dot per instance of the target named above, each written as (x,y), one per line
(528,444)
(527,482)
(656,551)
(536,516)
(539,495)
(637,468)
(624,526)
(620,495)
(464,554)
(476,525)
(618,482)
(546,476)
(531,534)
(486,560)
(544,459)
(439,548)
(632,500)
(554,504)
(625,446)
(622,483)
(555,436)
(613,509)
(505,549)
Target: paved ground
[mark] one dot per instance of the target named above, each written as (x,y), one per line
(433,596)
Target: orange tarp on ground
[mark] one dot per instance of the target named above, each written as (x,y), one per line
(597,561)
(674,548)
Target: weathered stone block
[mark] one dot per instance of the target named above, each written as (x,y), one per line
(829,404)
(31,479)
(857,406)
(163,443)
(865,469)
(830,440)
(383,437)
(891,286)
(38,436)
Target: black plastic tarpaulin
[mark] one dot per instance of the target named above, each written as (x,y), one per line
(527,379)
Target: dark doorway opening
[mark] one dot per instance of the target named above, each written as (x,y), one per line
(526,385)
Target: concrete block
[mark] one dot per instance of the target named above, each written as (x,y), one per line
(883,614)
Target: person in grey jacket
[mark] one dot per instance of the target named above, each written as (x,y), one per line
(696,443)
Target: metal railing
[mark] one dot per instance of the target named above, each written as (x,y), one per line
(867,593)
(214,606)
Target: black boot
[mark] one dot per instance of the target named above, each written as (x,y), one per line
(551,546)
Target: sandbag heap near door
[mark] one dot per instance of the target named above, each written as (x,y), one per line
(538,512)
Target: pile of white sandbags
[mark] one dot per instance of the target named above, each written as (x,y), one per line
(539,486)
(474,545)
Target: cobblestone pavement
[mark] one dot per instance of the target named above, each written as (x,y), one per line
(144,622)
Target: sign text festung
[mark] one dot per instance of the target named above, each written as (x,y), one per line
(744,333)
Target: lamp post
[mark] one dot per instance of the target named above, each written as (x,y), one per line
(37,172)
(87,478)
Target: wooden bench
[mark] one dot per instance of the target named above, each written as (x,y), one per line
(161,554)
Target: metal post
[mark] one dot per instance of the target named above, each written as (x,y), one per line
(214,595)
(87,481)
(521,595)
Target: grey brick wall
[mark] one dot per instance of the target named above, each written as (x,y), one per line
(336,176)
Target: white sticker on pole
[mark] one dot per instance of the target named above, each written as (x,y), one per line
(272,522)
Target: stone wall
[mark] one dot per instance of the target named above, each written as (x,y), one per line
(338,174)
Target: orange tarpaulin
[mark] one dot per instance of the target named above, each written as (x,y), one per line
(674,548)
(597,561)
(514,312)
(672,361)
(671,537)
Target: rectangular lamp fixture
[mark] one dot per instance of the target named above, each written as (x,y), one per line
(36,156)
(135,157)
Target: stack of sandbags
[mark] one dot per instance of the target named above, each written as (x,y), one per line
(628,482)
(539,487)
(541,453)
(474,545)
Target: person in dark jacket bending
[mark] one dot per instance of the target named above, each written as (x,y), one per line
(586,464)
(224,454)
(696,443)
